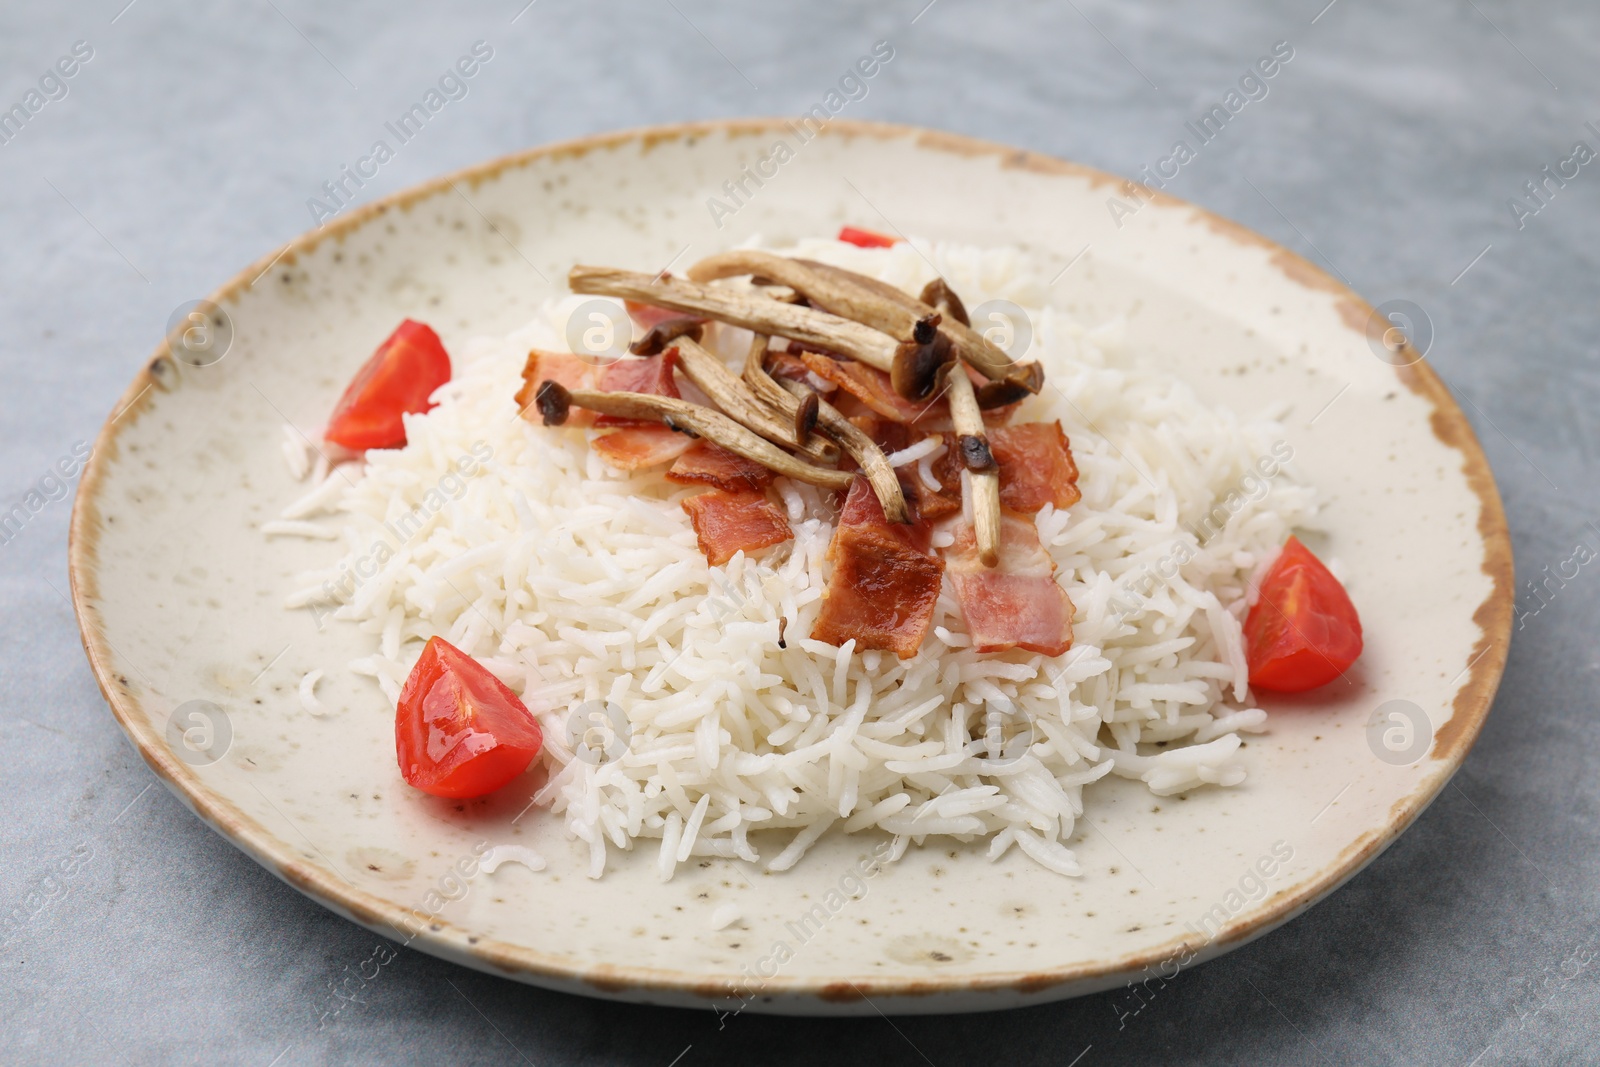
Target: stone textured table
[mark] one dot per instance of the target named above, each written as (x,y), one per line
(187,143)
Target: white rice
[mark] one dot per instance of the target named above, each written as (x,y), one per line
(581,586)
(500,855)
(308,693)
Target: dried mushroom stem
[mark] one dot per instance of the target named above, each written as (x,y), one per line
(1022,383)
(938,294)
(659,337)
(1008,382)
(921,349)
(983,474)
(957,338)
(830,292)
(739,403)
(796,401)
(753,311)
(990,359)
(805,416)
(554,401)
(863,449)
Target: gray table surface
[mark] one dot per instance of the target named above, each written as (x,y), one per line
(1387,151)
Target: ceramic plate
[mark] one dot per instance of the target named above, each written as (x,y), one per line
(180,598)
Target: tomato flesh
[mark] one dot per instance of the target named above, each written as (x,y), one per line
(458,731)
(864,238)
(396,381)
(1303,632)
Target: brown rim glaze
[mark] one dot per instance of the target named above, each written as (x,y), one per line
(1454,739)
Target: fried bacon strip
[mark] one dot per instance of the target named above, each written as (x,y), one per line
(1036,467)
(631,375)
(872,387)
(648,444)
(884,586)
(568,370)
(1017,603)
(714,465)
(726,523)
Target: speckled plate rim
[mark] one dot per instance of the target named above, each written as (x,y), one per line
(1451,743)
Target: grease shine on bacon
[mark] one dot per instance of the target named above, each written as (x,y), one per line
(634,448)
(711,464)
(727,523)
(884,586)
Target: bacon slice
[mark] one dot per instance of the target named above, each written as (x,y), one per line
(647,316)
(630,374)
(568,370)
(931,506)
(645,445)
(714,465)
(887,434)
(938,420)
(784,365)
(884,586)
(1016,604)
(1036,467)
(726,523)
(869,385)
(891,437)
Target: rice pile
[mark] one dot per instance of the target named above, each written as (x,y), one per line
(582,587)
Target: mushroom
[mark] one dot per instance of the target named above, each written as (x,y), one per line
(805,415)
(921,349)
(988,358)
(660,336)
(884,307)
(555,400)
(798,402)
(834,293)
(810,327)
(739,403)
(983,473)
(938,294)
(1020,384)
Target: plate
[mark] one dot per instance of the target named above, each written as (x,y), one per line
(179,597)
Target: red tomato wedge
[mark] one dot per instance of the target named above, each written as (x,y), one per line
(1304,631)
(865,238)
(458,731)
(396,381)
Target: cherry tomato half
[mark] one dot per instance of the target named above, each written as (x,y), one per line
(458,731)
(396,381)
(865,238)
(1304,631)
